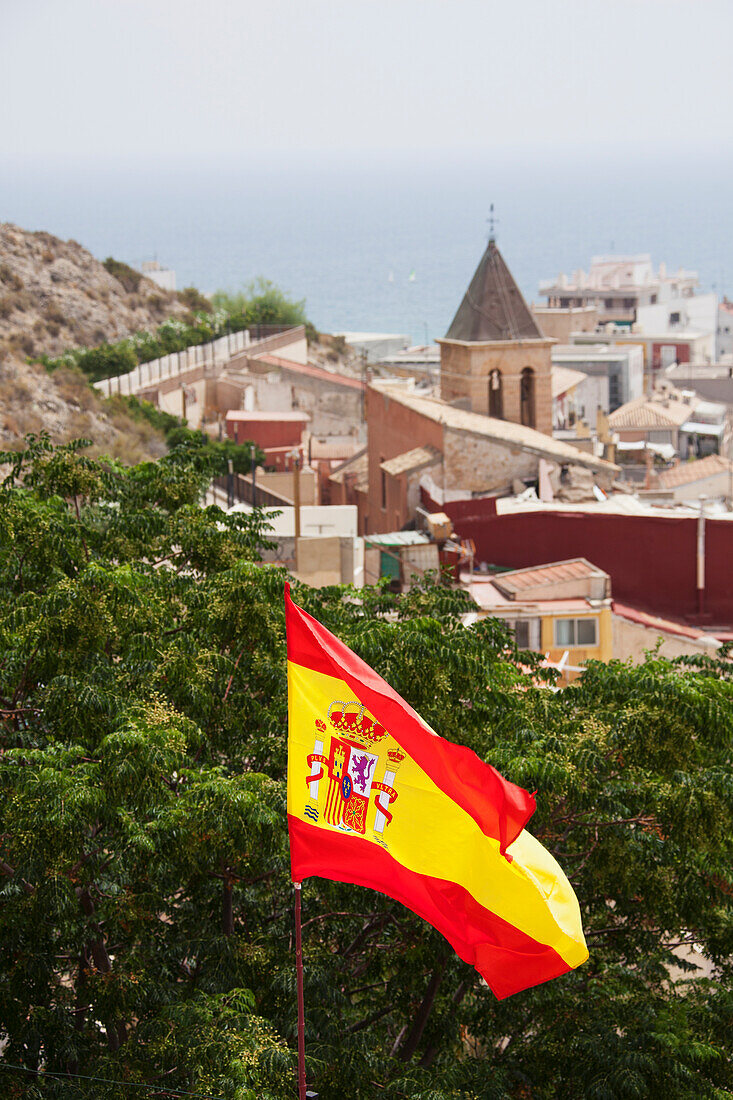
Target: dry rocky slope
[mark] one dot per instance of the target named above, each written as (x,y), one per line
(54,295)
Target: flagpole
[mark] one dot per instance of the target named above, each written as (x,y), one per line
(301,1003)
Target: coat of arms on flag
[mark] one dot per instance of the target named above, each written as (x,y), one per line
(353,768)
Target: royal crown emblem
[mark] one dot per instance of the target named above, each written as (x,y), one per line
(350,784)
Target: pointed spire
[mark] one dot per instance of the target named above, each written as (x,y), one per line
(493,307)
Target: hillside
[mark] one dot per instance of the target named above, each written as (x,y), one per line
(54,295)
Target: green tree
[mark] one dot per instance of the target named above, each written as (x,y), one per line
(145,904)
(261,303)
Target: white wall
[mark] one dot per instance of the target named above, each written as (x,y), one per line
(315,519)
(698,313)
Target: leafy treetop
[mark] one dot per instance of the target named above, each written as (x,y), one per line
(145,903)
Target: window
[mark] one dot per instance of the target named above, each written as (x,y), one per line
(384,486)
(527,633)
(674,318)
(496,396)
(575,632)
(526,398)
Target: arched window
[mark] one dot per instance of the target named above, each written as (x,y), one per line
(496,396)
(526,406)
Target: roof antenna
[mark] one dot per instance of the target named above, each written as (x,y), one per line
(492,223)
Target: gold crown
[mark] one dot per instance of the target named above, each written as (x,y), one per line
(395,756)
(355,724)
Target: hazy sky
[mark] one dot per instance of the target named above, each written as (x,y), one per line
(140,80)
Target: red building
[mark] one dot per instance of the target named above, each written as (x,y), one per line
(276,433)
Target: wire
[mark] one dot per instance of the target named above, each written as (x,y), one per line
(109,1081)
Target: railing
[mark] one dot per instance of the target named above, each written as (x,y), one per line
(225,349)
(146,375)
(246,493)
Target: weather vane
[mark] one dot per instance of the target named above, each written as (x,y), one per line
(492,223)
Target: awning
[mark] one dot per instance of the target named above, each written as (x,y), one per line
(693,427)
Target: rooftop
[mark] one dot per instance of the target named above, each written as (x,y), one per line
(564,379)
(332,448)
(521,580)
(276,417)
(355,469)
(308,370)
(493,307)
(503,431)
(398,538)
(659,411)
(688,472)
(411,460)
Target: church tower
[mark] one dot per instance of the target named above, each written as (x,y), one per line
(494,359)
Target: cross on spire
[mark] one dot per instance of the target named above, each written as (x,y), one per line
(492,223)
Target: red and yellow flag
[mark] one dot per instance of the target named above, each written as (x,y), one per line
(377,798)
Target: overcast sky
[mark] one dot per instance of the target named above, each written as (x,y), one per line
(129,80)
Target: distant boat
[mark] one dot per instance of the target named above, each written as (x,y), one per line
(411,277)
(390,277)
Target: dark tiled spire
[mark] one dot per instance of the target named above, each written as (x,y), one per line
(493,307)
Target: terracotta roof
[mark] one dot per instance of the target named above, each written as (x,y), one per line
(643,413)
(564,379)
(493,307)
(411,460)
(332,449)
(489,598)
(521,579)
(356,470)
(311,371)
(669,626)
(503,431)
(697,470)
(259,417)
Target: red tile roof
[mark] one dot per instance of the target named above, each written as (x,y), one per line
(688,472)
(520,579)
(310,371)
(268,417)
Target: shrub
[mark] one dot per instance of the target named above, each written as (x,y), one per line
(9,278)
(123,273)
(191,297)
(107,360)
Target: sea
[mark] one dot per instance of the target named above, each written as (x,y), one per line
(380,241)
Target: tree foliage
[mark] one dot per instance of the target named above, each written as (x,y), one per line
(145,903)
(261,303)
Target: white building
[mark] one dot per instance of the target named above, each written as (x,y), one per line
(164,277)
(614,375)
(618,286)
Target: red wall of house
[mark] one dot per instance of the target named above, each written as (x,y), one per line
(393,429)
(651,560)
(267,433)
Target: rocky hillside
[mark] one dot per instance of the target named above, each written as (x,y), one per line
(54,295)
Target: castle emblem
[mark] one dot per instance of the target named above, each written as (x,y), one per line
(344,785)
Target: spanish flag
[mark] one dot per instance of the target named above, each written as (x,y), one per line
(377,798)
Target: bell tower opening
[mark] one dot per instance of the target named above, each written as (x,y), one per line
(527,402)
(496,396)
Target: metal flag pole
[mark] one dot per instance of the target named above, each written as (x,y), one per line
(301,1003)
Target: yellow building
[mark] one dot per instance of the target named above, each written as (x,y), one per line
(562,609)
